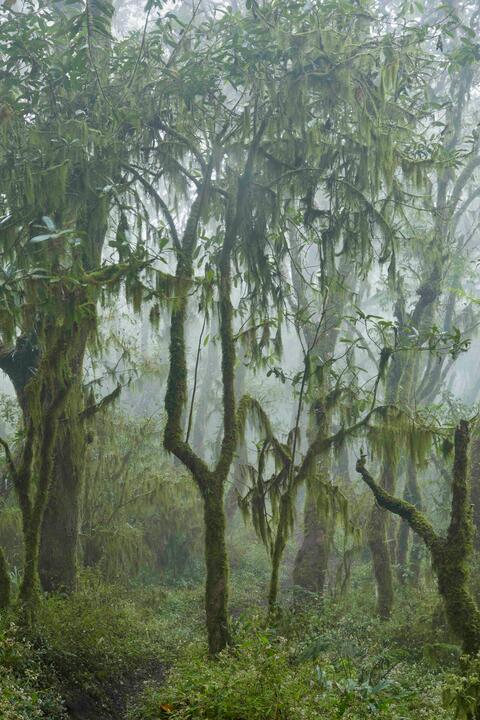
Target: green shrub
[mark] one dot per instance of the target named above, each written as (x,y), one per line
(28,687)
(253,682)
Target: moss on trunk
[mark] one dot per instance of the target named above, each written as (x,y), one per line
(58,552)
(451,554)
(58,559)
(409,555)
(216,589)
(382,568)
(475,482)
(311,562)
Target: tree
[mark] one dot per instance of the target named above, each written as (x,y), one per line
(60,156)
(451,553)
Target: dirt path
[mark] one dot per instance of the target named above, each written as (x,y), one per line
(115,699)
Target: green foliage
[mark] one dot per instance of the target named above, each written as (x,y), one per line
(102,643)
(115,639)
(141,517)
(461,693)
(29,689)
(352,671)
(255,682)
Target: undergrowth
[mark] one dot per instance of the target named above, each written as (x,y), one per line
(111,646)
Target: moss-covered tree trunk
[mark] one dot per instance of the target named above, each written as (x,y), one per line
(400,384)
(277,553)
(207,392)
(451,554)
(210,483)
(48,393)
(57,553)
(231,498)
(58,559)
(475,483)
(381,560)
(241,459)
(216,588)
(311,561)
(409,554)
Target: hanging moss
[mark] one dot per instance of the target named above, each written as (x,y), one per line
(451,554)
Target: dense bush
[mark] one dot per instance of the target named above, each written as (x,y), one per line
(29,688)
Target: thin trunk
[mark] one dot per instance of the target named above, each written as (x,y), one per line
(231,504)
(475,483)
(403,539)
(382,567)
(5,586)
(211,484)
(409,558)
(277,555)
(379,544)
(231,499)
(210,372)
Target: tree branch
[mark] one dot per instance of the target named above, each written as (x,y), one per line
(417,521)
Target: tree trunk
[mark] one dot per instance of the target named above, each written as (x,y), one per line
(409,563)
(379,543)
(451,554)
(452,572)
(5,589)
(475,483)
(311,562)
(30,585)
(382,568)
(39,443)
(216,589)
(210,372)
(277,554)
(61,521)
(231,499)
(402,549)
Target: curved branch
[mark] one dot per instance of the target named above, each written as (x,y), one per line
(417,521)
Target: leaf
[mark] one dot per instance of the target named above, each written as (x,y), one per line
(48,222)
(41,238)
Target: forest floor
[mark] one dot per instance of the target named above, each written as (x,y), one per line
(138,653)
